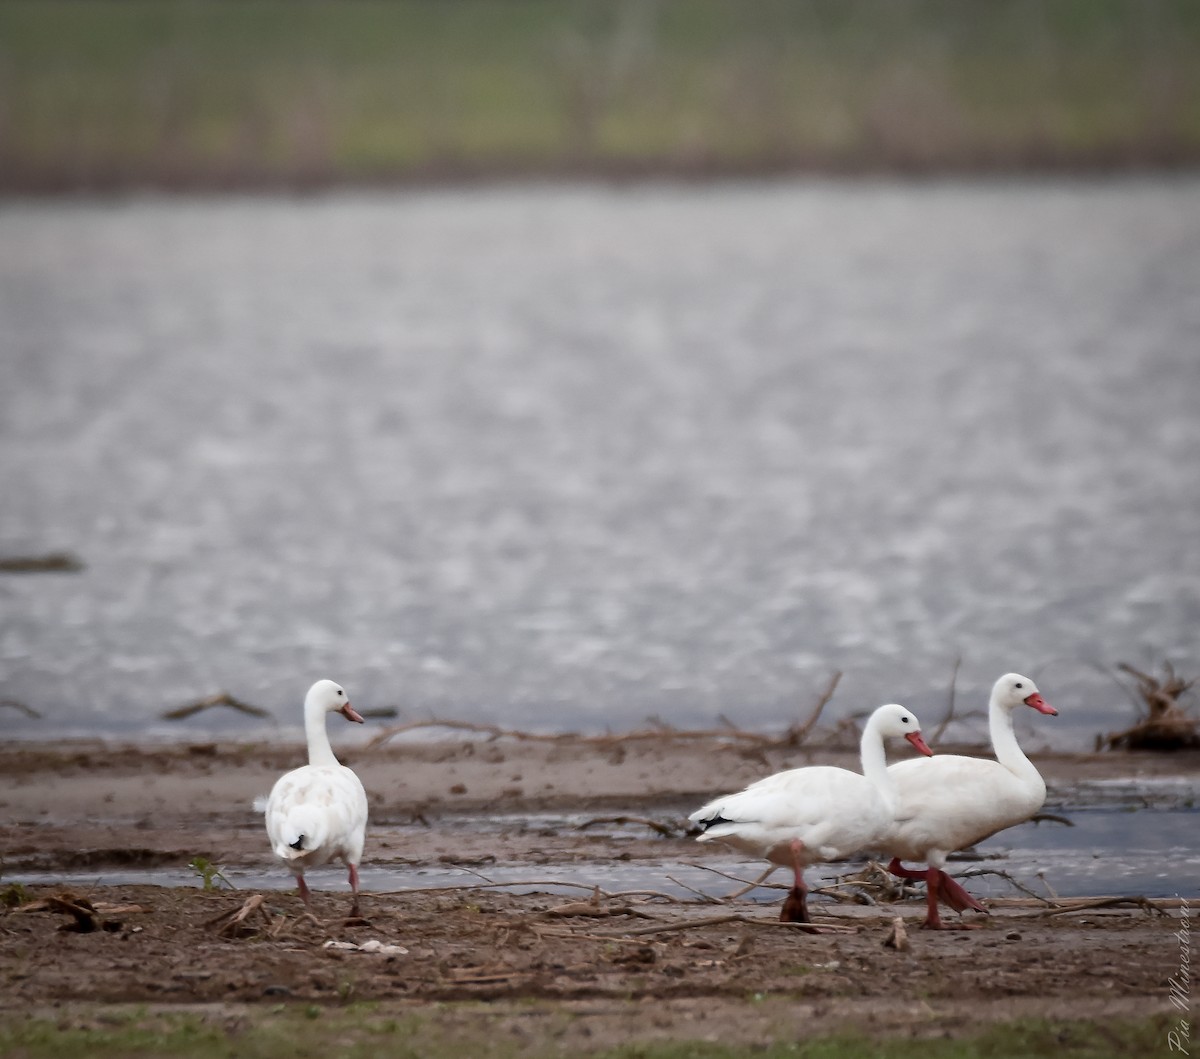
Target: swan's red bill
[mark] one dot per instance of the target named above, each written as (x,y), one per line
(919,743)
(1041,705)
(351,714)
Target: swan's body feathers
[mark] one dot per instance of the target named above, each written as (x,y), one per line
(316,814)
(819,813)
(810,803)
(952,802)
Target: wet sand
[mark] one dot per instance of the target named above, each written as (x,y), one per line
(624,967)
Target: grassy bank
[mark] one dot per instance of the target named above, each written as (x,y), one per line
(295,1031)
(112,93)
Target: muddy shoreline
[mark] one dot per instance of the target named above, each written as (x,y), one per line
(622,966)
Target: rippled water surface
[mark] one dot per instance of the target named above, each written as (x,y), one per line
(565,457)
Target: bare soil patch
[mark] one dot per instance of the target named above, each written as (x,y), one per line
(626,967)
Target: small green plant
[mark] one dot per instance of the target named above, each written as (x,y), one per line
(209,873)
(14,895)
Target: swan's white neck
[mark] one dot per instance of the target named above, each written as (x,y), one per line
(1004,744)
(874,763)
(319,751)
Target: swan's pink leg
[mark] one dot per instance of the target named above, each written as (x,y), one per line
(896,868)
(955,896)
(354,889)
(302,886)
(948,891)
(795,906)
(932,920)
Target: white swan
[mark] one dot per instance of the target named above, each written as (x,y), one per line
(819,813)
(951,801)
(319,811)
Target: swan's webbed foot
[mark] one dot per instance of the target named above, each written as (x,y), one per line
(954,895)
(795,907)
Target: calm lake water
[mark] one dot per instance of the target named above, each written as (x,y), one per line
(565,457)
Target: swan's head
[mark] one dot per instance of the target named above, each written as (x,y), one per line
(328,697)
(894,721)
(1013,690)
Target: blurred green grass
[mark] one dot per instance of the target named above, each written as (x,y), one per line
(210,93)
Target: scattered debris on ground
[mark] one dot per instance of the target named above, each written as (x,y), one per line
(1163,723)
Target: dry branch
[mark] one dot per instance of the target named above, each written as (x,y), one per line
(659,731)
(707,899)
(1164,724)
(747,884)
(20,707)
(592,909)
(583,935)
(666,830)
(85,915)
(796,735)
(941,728)
(50,563)
(974,873)
(240,922)
(605,894)
(1087,904)
(220,699)
(1069,904)
(897,937)
(738,917)
(655,734)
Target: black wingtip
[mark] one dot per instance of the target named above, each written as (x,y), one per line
(712,821)
(298,844)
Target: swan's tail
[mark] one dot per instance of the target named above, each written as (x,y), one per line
(302,831)
(709,817)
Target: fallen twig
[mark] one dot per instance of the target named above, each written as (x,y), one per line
(543,932)
(658,730)
(738,917)
(657,733)
(20,707)
(897,937)
(1069,906)
(50,563)
(747,884)
(283,925)
(607,895)
(796,735)
(220,699)
(232,923)
(974,873)
(85,914)
(1046,883)
(707,899)
(941,728)
(592,909)
(666,830)
(1052,818)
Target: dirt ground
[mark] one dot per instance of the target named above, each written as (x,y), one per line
(625,966)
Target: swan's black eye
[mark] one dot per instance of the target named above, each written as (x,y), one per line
(1019,684)
(340,692)
(904,720)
